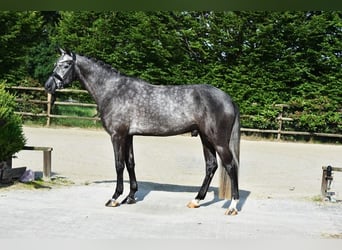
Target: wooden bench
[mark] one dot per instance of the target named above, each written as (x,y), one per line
(46,159)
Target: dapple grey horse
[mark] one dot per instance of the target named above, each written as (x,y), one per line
(129,106)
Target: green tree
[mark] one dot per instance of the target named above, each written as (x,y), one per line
(42,55)
(18,32)
(259,57)
(286,57)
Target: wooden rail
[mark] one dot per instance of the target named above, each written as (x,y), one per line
(48,114)
(48,102)
(283,132)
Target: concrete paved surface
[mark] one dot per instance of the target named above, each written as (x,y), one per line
(278,182)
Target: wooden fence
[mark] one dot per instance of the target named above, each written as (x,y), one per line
(48,114)
(48,102)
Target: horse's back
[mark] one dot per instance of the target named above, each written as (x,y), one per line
(148,109)
(189,100)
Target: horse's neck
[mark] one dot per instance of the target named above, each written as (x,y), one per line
(92,78)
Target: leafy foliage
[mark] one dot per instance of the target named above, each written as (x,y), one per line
(11,135)
(260,58)
(18,32)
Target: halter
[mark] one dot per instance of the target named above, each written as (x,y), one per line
(62,78)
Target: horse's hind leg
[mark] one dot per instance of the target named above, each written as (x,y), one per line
(232,169)
(130,164)
(211,166)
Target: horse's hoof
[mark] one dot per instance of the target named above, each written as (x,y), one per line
(193,204)
(231,212)
(130,200)
(112,203)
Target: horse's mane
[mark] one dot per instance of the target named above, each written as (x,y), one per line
(104,65)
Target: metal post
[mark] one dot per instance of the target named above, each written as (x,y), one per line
(327,178)
(47,165)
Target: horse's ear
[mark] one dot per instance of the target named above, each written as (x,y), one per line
(61,51)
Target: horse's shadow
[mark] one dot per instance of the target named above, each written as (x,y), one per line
(145,187)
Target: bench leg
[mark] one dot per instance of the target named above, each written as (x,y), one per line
(47,165)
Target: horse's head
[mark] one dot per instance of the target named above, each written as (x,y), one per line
(63,72)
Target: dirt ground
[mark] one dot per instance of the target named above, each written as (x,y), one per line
(279,188)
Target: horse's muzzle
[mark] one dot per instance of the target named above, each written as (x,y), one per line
(50,85)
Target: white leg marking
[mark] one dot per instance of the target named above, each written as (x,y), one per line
(232,210)
(112,203)
(233,205)
(196,202)
(193,204)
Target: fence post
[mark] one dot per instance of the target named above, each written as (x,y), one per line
(280,121)
(48,110)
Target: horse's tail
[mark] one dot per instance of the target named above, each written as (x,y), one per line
(234,147)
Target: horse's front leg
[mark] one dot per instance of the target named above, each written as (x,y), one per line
(130,164)
(119,146)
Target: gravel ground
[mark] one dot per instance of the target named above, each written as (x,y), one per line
(279,187)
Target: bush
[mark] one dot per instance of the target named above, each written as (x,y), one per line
(11,134)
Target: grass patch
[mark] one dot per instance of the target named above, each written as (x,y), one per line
(75,111)
(60,181)
(317,198)
(332,235)
(55,181)
(36,184)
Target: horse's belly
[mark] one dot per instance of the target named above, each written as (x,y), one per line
(162,126)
